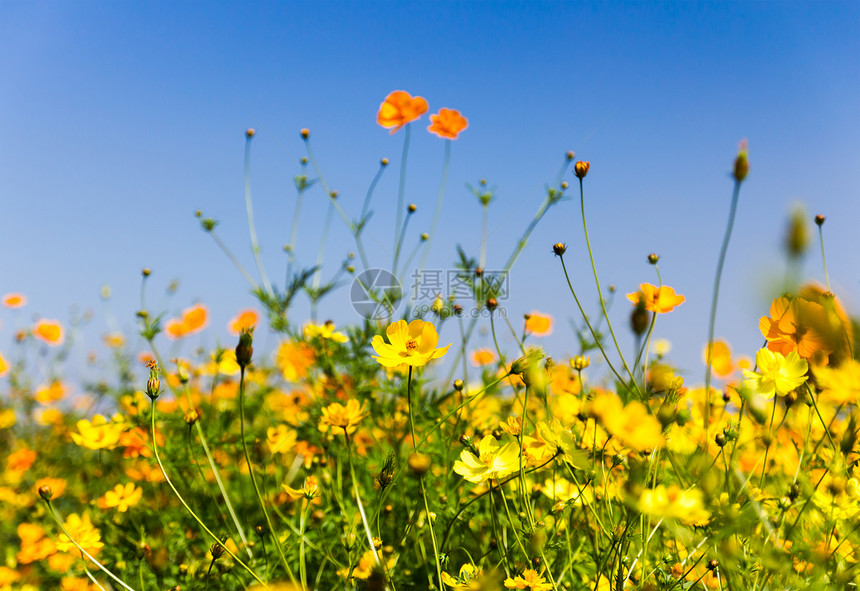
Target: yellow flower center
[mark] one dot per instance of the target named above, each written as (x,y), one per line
(411,345)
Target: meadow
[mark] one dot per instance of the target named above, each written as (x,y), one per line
(372,455)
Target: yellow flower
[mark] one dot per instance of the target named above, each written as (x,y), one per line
(413,344)
(308,491)
(98,434)
(325,331)
(122,497)
(529,580)
(83,532)
(468,578)
(4,366)
(674,503)
(777,373)
(491,463)
(281,439)
(7,418)
(346,418)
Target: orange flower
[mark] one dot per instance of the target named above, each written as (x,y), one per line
(539,324)
(194,319)
(245,319)
(658,300)
(21,460)
(448,123)
(482,357)
(791,327)
(49,331)
(721,358)
(14,300)
(399,108)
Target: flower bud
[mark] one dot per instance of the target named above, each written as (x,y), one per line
(639,319)
(797,235)
(580,169)
(419,463)
(383,162)
(742,165)
(412,208)
(819,220)
(305,133)
(458,385)
(492,304)
(249,133)
(569,156)
(244,350)
(559,248)
(653,258)
(580,362)
(46,492)
(153,385)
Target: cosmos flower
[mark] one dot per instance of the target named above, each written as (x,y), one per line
(447,123)
(657,299)
(413,344)
(399,108)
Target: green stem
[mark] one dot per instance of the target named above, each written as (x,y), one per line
(597,282)
(715,297)
(249,209)
(254,478)
(79,547)
(185,504)
(401,191)
(421,481)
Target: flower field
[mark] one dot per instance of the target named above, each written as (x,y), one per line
(374,455)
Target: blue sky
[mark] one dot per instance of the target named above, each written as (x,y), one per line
(119,120)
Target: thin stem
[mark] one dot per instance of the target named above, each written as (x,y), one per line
(249,209)
(185,504)
(254,478)
(439,199)
(59,521)
(823,258)
(716,295)
(421,481)
(401,191)
(597,282)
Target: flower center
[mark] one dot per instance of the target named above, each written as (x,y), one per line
(411,345)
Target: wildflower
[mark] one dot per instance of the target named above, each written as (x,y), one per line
(399,108)
(193,320)
(113,340)
(792,327)
(448,123)
(580,169)
(632,424)
(674,503)
(244,350)
(54,391)
(468,578)
(247,318)
(98,434)
(658,300)
(336,416)
(294,360)
(82,531)
(662,347)
(281,439)
(482,357)
(413,344)
(721,358)
(491,463)
(21,460)
(49,332)
(14,300)
(4,366)
(308,490)
(778,374)
(540,325)
(7,577)
(35,544)
(580,362)
(122,497)
(530,580)
(7,418)
(324,331)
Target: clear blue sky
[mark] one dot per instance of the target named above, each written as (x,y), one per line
(119,120)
